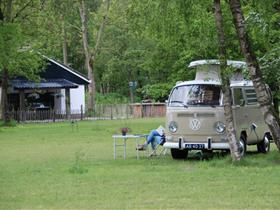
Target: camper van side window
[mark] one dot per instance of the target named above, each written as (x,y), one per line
(238,99)
(251,96)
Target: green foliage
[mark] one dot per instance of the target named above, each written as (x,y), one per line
(148,41)
(156,92)
(262,19)
(14,55)
(110,98)
(270,62)
(11,123)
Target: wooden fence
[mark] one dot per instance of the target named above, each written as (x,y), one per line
(101,111)
(148,110)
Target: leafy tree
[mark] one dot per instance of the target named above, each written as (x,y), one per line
(156,92)
(262,21)
(18,56)
(270,116)
(60,33)
(90,53)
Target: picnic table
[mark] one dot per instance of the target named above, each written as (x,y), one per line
(124,138)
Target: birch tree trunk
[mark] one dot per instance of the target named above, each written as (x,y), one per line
(64,42)
(270,116)
(97,45)
(88,63)
(227,99)
(90,57)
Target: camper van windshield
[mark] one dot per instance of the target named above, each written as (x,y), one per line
(192,95)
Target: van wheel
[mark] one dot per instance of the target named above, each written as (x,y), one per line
(207,154)
(242,146)
(264,145)
(179,154)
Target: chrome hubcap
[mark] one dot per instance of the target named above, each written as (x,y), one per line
(241,148)
(266,143)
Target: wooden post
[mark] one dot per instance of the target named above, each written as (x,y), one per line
(53,115)
(127,108)
(111,110)
(22,105)
(142,110)
(67,103)
(82,112)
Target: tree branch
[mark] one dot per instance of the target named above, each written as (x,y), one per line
(8,10)
(100,31)
(22,9)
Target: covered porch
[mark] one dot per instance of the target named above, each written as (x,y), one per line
(45,97)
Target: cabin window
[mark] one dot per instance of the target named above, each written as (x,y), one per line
(238,99)
(251,96)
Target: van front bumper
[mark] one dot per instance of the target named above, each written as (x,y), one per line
(196,145)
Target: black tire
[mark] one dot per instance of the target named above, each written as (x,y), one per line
(264,145)
(179,154)
(207,154)
(242,146)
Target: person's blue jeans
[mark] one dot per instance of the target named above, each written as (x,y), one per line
(154,138)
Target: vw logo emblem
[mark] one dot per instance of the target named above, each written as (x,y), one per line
(195,124)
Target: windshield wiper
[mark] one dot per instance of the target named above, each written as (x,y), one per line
(180,102)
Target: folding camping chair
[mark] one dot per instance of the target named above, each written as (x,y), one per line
(162,151)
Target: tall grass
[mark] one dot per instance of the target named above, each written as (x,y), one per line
(61,166)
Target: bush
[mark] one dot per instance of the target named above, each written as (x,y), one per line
(11,123)
(110,98)
(156,92)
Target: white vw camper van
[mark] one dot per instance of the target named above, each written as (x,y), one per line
(195,114)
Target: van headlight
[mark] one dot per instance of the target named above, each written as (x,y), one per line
(219,127)
(173,127)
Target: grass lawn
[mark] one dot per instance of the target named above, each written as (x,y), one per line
(60,166)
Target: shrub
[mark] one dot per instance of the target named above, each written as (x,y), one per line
(11,123)
(156,92)
(110,98)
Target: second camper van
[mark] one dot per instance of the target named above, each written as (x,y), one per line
(195,114)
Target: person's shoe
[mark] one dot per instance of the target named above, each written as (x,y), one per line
(141,147)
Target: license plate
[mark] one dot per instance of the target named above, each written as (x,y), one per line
(194,146)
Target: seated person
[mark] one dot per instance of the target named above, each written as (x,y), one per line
(155,137)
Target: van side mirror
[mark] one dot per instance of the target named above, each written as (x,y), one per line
(242,102)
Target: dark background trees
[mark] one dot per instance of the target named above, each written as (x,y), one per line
(149,41)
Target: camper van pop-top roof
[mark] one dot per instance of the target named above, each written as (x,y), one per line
(210,69)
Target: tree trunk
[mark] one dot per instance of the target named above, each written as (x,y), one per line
(64,42)
(227,99)
(101,28)
(5,16)
(90,58)
(88,63)
(96,48)
(270,116)
(4,96)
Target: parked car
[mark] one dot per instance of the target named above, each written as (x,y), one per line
(38,106)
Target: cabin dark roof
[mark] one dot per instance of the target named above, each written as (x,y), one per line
(57,70)
(45,84)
